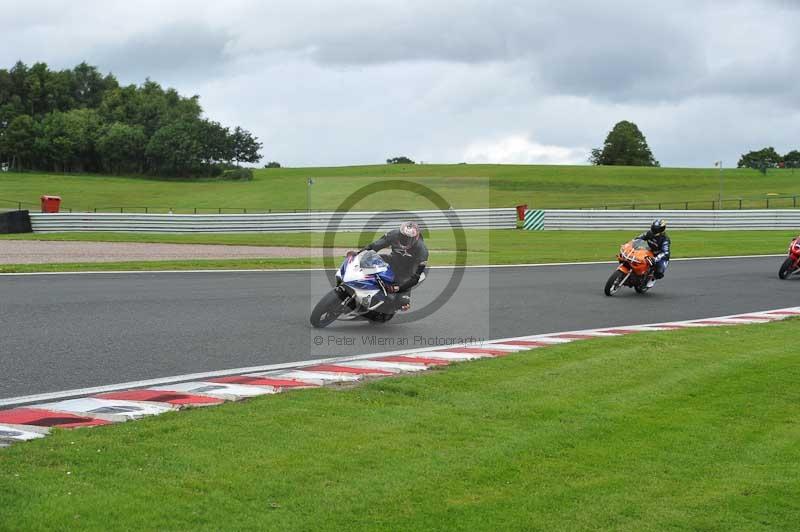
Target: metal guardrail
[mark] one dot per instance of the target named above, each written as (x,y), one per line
(285,222)
(677,219)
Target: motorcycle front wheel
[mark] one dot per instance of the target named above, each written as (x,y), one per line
(614,282)
(327,310)
(786,268)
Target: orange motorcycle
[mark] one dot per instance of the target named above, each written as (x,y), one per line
(635,268)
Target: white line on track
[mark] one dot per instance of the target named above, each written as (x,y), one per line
(280,270)
(154,383)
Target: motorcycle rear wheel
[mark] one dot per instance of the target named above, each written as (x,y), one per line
(786,268)
(614,283)
(327,310)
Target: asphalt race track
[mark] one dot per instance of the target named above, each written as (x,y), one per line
(62,332)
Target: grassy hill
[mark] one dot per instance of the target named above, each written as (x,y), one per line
(461,185)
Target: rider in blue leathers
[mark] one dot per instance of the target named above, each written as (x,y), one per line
(659,243)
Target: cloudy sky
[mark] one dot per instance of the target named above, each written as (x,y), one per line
(340,82)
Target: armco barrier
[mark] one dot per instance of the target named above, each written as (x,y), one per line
(276,222)
(637,220)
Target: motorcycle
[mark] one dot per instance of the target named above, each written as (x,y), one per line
(635,268)
(360,292)
(791,265)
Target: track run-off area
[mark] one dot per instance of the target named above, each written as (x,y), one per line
(71,331)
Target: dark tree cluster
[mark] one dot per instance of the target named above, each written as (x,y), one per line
(399,160)
(82,121)
(625,145)
(769,158)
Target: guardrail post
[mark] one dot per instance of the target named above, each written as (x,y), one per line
(767,203)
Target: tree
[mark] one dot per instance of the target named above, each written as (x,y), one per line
(18,141)
(625,145)
(760,159)
(121,147)
(272,164)
(245,146)
(68,139)
(81,120)
(792,159)
(399,160)
(177,149)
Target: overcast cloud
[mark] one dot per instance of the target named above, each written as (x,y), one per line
(354,82)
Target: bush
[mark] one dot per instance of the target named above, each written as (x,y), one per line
(272,164)
(244,174)
(399,160)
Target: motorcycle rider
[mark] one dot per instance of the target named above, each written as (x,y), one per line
(659,243)
(408,259)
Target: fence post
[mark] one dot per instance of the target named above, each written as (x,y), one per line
(145,210)
(195,210)
(740,204)
(767,203)
(220,210)
(244,210)
(794,202)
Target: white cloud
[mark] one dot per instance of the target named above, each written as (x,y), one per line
(518,149)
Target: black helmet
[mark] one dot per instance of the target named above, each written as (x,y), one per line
(409,234)
(658,227)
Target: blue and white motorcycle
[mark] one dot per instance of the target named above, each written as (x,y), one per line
(360,292)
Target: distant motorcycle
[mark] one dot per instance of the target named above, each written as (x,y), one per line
(635,268)
(791,265)
(360,292)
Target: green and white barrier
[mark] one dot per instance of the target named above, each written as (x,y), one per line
(534,220)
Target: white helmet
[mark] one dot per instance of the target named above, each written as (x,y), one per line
(409,234)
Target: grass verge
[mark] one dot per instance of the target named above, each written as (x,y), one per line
(461,185)
(682,430)
(483,247)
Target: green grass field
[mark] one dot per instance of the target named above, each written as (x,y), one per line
(462,186)
(483,247)
(681,430)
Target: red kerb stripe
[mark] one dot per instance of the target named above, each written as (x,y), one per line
(474,351)
(161,396)
(263,381)
(415,360)
(46,418)
(332,368)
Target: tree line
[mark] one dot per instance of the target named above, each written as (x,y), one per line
(769,158)
(78,120)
